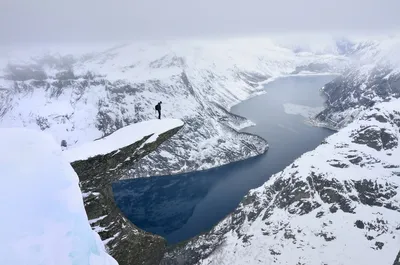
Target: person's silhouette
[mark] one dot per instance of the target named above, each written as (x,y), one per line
(158,108)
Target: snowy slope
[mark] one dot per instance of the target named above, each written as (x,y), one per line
(43,217)
(374,77)
(82,98)
(338,204)
(121,138)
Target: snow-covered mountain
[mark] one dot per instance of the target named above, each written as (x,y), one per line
(338,204)
(43,217)
(79,98)
(374,77)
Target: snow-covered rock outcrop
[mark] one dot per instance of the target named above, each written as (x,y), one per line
(338,204)
(121,138)
(43,216)
(102,162)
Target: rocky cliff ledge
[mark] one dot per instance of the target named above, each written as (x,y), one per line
(124,241)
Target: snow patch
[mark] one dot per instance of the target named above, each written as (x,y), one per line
(305,111)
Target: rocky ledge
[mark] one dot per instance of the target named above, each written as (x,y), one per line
(124,241)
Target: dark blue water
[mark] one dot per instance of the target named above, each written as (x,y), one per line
(182,206)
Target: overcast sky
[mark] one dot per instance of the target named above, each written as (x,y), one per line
(105,20)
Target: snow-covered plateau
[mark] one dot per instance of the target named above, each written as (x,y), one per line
(43,217)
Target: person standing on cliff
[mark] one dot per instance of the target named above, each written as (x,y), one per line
(158,108)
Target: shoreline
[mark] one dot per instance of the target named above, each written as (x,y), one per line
(181,174)
(311,122)
(314,123)
(242,161)
(301,74)
(263,91)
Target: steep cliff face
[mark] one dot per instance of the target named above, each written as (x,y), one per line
(337,204)
(124,241)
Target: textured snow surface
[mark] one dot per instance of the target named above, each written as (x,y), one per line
(337,204)
(43,217)
(121,138)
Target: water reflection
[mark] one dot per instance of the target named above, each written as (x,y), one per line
(163,204)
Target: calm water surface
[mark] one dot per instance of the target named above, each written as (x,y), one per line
(182,206)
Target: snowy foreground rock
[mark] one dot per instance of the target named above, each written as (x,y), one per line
(43,217)
(338,204)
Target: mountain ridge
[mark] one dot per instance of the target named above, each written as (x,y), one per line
(108,90)
(83,98)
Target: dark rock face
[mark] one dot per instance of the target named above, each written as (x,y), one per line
(397,259)
(64,143)
(376,138)
(372,193)
(359,224)
(124,241)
